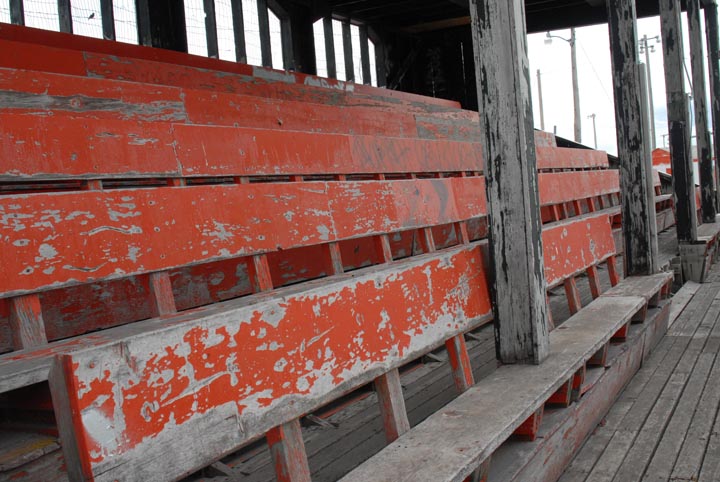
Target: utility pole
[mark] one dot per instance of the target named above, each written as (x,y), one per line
(575,84)
(576,88)
(542,111)
(647,47)
(593,116)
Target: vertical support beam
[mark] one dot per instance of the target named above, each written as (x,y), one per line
(594,280)
(573,295)
(503,86)
(678,120)
(460,363)
(26,322)
(697,64)
(211,29)
(239,31)
(392,405)
(108,19)
(65,16)
(365,55)
(264,26)
(713,45)
(162,300)
(347,49)
(17,12)
(288,452)
(628,118)
(380,64)
(286,42)
(161,24)
(259,271)
(329,47)
(648,132)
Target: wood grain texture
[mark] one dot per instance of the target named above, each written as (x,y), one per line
(503,86)
(460,363)
(400,321)
(162,301)
(392,405)
(288,452)
(447,446)
(712,33)
(26,322)
(636,217)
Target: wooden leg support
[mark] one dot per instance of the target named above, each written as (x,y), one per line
(594,280)
(641,315)
(162,300)
(259,271)
(573,295)
(392,405)
(382,246)
(26,322)
(622,333)
(529,428)
(460,363)
(335,264)
(563,395)
(551,321)
(288,453)
(481,473)
(577,385)
(600,358)
(612,271)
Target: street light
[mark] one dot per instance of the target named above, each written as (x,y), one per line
(576,91)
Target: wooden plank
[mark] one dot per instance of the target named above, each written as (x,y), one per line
(349,357)
(288,452)
(628,118)
(348,53)
(647,287)
(429,452)
(712,33)
(329,47)
(699,92)
(365,55)
(562,187)
(26,322)
(681,299)
(65,16)
(502,72)
(573,245)
(569,158)
(126,231)
(392,405)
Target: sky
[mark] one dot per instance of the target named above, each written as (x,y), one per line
(595,81)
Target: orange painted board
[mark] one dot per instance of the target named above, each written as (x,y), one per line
(570,158)
(219,151)
(40,147)
(40,57)
(570,247)
(78,237)
(562,187)
(49,94)
(242,362)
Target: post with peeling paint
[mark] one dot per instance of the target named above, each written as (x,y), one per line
(636,218)
(707,183)
(678,120)
(506,120)
(713,45)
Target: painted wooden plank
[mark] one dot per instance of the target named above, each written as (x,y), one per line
(561,187)
(569,158)
(430,451)
(26,322)
(502,72)
(573,245)
(162,300)
(392,405)
(288,452)
(647,287)
(348,356)
(132,53)
(235,151)
(637,233)
(122,232)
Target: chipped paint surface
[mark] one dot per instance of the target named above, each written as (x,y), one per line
(88,233)
(156,381)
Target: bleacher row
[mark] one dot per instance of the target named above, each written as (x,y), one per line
(197,253)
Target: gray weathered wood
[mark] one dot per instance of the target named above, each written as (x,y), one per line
(211,29)
(288,452)
(365,55)
(108,19)
(18,448)
(17,12)
(681,299)
(713,45)
(239,31)
(65,16)
(645,286)
(648,132)
(697,63)
(453,442)
(503,85)
(26,322)
(348,53)
(392,405)
(264,26)
(329,47)
(637,233)
(677,109)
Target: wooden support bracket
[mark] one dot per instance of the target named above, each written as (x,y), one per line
(460,363)
(600,357)
(529,428)
(563,395)
(26,322)
(392,405)
(162,301)
(288,453)
(594,280)
(573,295)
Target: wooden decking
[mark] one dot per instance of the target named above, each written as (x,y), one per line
(665,425)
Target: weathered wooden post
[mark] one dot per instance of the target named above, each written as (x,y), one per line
(707,184)
(713,45)
(506,119)
(636,214)
(678,120)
